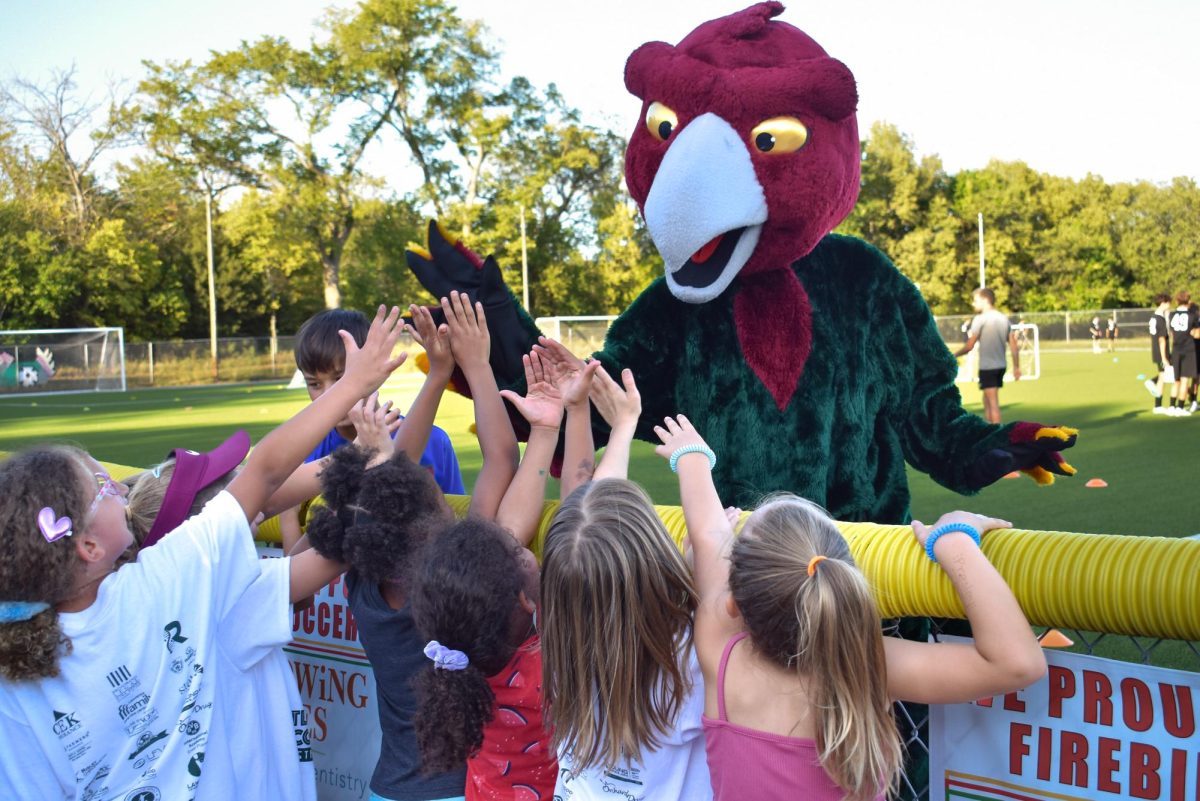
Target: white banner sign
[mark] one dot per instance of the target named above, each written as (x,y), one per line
(1092,729)
(337,687)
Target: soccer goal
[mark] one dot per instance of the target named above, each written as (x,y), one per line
(1027,345)
(583,336)
(61,360)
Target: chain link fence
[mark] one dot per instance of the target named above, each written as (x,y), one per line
(186,362)
(913,719)
(189,361)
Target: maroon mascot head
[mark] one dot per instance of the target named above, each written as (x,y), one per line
(747,153)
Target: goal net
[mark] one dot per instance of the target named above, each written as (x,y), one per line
(58,360)
(583,336)
(1027,345)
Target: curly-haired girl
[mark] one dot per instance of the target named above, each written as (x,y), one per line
(799,681)
(475,599)
(109,678)
(378,520)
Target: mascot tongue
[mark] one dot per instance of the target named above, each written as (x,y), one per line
(705,253)
(775,345)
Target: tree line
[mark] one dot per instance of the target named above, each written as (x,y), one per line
(104,205)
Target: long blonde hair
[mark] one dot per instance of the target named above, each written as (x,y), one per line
(617,606)
(825,627)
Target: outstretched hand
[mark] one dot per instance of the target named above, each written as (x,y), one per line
(569,374)
(617,404)
(369,366)
(375,424)
(981,523)
(542,405)
(469,339)
(676,433)
(434,338)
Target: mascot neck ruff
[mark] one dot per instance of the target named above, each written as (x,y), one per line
(746,157)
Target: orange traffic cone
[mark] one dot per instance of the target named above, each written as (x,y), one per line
(1053,638)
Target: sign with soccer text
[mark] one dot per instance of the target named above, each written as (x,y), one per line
(1091,729)
(337,687)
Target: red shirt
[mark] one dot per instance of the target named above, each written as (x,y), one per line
(515,762)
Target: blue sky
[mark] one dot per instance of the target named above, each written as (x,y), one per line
(1069,86)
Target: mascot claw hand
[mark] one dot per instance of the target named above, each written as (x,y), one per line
(1033,449)
(445,264)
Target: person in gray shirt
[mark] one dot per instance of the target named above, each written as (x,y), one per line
(992,331)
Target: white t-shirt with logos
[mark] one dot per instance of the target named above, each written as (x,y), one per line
(678,769)
(153,701)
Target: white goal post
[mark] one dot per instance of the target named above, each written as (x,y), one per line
(56,361)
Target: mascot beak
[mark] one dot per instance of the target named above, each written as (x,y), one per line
(705,209)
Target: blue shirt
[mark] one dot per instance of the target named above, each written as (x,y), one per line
(439,457)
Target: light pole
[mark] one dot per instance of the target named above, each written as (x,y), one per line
(212,284)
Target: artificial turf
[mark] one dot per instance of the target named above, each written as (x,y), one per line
(1148,461)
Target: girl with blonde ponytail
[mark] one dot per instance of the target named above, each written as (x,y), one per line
(799,681)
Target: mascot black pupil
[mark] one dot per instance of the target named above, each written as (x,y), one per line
(664,129)
(764,142)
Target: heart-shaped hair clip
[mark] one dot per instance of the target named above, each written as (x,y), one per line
(53,528)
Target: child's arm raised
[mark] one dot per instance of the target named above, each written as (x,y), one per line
(1004,656)
(281,451)
(471,346)
(573,379)
(374,423)
(414,432)
(521,509)
(620,407)
(709,533)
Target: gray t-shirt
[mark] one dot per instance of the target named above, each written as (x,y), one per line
(993,329)
(394,648)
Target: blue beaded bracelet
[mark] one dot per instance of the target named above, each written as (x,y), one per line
(949,528)
(686,449)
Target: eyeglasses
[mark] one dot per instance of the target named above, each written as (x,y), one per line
(107,487)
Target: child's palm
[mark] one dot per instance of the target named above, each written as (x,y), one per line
(676,433)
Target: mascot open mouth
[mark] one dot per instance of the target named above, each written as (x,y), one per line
(706,264)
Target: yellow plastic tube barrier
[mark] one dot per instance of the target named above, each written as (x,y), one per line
(1142,586)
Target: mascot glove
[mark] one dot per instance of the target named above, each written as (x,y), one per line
(1033,448)
(444,265)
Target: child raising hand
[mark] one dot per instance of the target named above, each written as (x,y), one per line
(800,704)
(126,662)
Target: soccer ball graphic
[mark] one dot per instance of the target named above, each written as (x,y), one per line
(28,376)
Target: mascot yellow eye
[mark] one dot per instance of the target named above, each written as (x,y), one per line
(660,121)
(779,135)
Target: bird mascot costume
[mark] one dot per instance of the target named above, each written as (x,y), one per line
(808,361)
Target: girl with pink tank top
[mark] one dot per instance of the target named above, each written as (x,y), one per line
(799,681)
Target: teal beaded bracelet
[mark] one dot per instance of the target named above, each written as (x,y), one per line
(686,449)
(949,528)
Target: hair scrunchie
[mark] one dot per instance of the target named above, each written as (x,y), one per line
(445,658)
(20,611)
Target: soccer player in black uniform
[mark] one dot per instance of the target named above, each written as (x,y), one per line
(1183,322)
(1160,349)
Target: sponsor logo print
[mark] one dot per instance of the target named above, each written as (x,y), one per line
(144,794)
(137,705)
(172,634)
(64,723)
(145,741)
(195,763)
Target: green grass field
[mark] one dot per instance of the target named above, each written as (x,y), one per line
(1149,461)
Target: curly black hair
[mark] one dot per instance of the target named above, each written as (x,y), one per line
(463,596)
(376,520)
